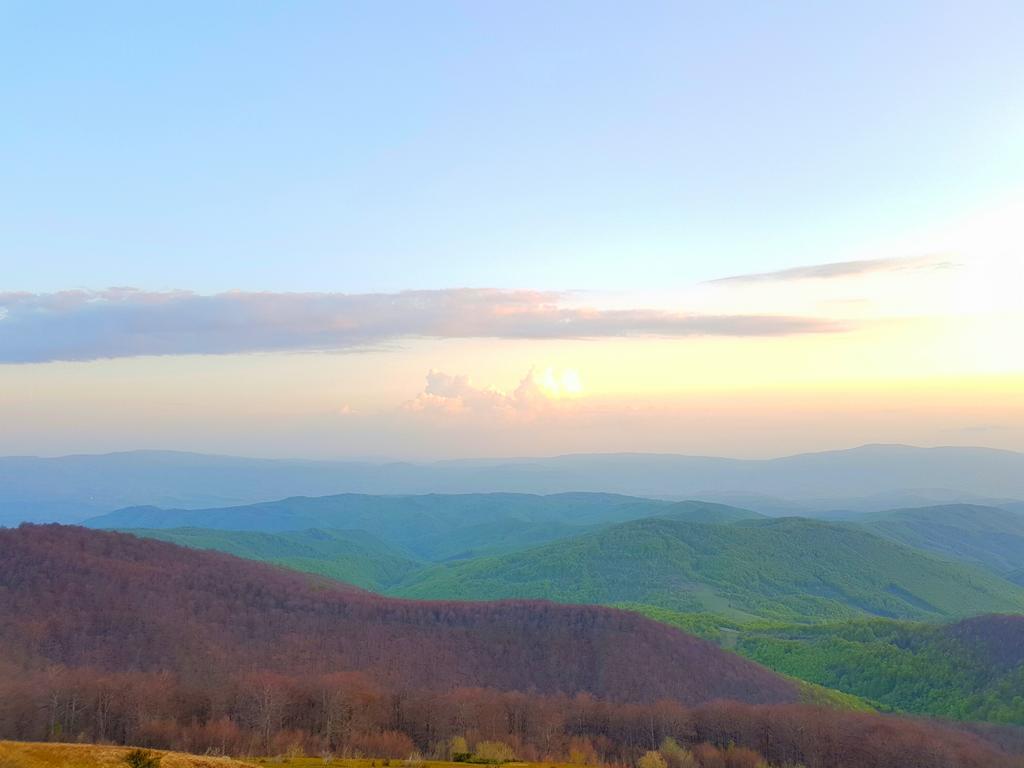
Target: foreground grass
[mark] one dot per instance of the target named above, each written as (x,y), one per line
(20,754)
(367,762)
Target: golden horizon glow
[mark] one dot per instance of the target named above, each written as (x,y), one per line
(929,352)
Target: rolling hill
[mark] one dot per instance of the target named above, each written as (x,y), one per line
(115,639)
(789,569)
(116,602)
(966,670)
(432,527)
(972,670)
(987,536)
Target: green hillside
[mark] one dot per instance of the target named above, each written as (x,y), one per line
(704,512)
(788,569)
(445,528)
(987,536)
(911,667)
(351,556)
(969,670)
(433,527)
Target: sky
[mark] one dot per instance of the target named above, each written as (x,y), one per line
(431,230)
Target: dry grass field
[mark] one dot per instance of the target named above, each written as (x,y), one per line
(18,754)
(367,762)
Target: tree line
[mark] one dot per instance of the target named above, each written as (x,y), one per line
(349,714)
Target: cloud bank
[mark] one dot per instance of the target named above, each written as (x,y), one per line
(840,269)
(127,322)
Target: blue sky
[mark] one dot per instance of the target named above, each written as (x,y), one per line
(351,146)
(428,229)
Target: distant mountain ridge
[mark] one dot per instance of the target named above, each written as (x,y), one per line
(73,488)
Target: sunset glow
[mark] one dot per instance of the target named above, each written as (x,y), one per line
(544,273)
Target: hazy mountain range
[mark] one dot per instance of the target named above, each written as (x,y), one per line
(869,478)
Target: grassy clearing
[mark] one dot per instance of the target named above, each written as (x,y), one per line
(19,754)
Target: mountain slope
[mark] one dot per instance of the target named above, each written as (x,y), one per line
(122,640)
(359,558)
(983,535)
(973,669)
(790,568)
(115,602)
(432,527)
(354,557)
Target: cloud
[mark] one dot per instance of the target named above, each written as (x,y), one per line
(537,392)
(841,269)
(127,322)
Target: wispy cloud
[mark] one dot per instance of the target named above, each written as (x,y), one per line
(841,269)
(126,322)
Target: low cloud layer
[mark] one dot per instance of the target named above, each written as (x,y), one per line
(840,269)
(126,322)
(447,394)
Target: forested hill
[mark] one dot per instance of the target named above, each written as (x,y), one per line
(433,526)
(989,536)
(972,669)
(116,639)
(114,602)
(684,556)
(354,557)
(789,569)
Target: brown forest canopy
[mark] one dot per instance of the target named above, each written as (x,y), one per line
(108,637)
(118,603)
